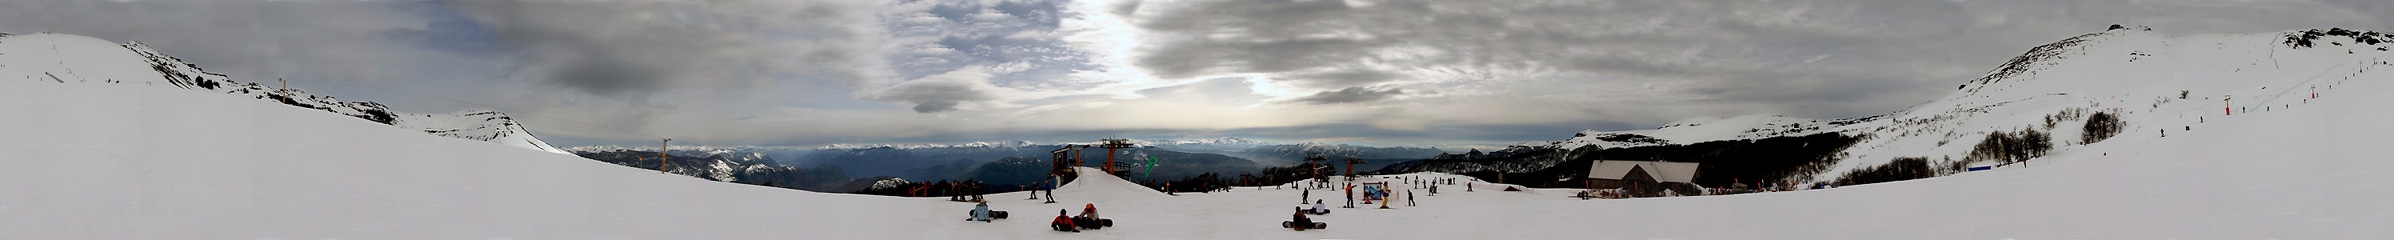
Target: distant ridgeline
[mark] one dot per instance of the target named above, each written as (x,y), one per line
(1748,160)
(753,169)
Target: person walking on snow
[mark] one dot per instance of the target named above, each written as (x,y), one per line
(1408,198)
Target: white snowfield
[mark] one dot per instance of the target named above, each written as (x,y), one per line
(136,161)
(63,58)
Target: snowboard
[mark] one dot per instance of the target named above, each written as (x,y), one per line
(1316,225)
(993,214)
(1092,224)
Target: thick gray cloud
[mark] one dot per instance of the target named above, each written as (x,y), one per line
(1809,58)
(1349,95)
(940,93)
(633,49)
(1014,43)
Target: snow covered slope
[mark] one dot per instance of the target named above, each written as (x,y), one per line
(2157,85)
(62,58)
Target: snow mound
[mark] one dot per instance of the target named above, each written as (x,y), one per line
(479,125)
(1093,182)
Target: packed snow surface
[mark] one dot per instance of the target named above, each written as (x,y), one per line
(135,161)
(63,58)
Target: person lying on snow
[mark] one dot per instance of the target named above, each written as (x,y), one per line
(1062,223)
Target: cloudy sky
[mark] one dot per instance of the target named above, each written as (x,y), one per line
(814,72)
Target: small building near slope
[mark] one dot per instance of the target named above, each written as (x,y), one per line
(1643,178)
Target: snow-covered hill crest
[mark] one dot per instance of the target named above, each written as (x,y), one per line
(2154,84)
(2157,85)
(64,58)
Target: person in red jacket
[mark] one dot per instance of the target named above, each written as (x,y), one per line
(1063,223)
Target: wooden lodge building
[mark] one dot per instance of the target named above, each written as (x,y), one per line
(1643,178)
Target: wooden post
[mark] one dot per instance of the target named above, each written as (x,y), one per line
(662,159)
(286,90)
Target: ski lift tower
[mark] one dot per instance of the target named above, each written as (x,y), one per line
(1114,145)
(1066,157)
(1314,162)
(1351,166)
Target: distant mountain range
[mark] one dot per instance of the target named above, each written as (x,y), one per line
(1002,162)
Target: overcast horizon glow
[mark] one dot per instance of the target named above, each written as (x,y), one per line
(1389,73)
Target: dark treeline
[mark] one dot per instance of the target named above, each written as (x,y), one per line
(1723,162)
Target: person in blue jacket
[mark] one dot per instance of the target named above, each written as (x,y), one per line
(981,212)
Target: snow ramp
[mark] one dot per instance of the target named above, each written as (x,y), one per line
(1103,185)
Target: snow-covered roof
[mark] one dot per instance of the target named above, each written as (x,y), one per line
(1661,171)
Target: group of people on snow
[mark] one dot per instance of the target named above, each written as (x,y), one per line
(1088,219)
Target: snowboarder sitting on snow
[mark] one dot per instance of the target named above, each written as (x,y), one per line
(981,212)
(1300,222)
(1318,209)
(1062,223)
(1090,211)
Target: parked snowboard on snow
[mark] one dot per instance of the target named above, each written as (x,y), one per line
(1292,224)
(1092,223)
(993,214)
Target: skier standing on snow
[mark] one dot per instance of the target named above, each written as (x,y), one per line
(1350,196)
(1301,197)
(1408,198)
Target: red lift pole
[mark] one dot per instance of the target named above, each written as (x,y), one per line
(1351,166)
(1114,145)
